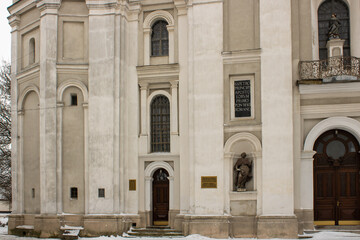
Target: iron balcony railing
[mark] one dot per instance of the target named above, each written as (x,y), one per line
(331,67)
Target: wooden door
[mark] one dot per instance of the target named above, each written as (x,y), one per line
(336,179)
(160,197)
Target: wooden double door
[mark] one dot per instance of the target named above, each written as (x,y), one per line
(336,179)
(160,197)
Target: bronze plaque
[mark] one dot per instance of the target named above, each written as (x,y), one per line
(209,182)
(132,184)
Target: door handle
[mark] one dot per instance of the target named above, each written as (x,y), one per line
(338,203)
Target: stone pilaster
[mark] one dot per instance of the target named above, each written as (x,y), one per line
(183,104)
(17,191)
(277,219)
(101,108)
(206,105)
(48,104)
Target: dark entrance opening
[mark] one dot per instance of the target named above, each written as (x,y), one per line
(160,198)
(336,179)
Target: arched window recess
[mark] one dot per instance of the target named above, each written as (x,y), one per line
(158,33)
(325,12)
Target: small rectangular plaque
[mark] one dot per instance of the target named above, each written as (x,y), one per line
(242,101)
(209,182)
(132,184)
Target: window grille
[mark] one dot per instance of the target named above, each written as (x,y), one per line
(160,39)
(160,124)
(325,11)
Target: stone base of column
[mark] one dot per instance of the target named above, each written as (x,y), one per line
(277,227)
(209,226)
(305,218)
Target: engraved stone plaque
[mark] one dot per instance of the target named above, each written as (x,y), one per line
(209,182)
(242,101)
(132,184)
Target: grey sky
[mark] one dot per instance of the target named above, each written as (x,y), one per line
(5,42)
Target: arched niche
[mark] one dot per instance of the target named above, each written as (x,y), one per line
(234,146)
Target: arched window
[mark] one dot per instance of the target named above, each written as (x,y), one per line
(160,124)
(159,39)
(31,51)
(325,11)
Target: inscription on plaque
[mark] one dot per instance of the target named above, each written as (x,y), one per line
(132,184)
(209,182)
(242,101)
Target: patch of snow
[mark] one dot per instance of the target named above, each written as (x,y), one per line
(25,227)
(66,227)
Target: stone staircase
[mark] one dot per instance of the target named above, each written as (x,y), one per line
(155,231)
(343,229)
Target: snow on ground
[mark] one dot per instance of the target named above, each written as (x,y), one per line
(318,236)
(324,235)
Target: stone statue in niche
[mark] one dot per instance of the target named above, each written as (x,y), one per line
(243,168)
(334,27)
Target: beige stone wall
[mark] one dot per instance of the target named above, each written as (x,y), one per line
(241,25)
(73,167)
(31,154)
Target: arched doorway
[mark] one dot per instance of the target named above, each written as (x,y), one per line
(160,197)
(336,179)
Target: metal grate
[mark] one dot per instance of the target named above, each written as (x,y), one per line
(159,39)
(160,124)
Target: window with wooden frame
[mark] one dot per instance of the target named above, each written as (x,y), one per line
(160,124)
(159,39)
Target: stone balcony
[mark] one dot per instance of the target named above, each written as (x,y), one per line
(334,69)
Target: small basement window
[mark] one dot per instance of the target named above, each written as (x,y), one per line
(33,192)
(73,193)
(101,192)
(74,100)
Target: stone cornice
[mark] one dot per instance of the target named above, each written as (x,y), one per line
(14,21)
(105,4)
(242,56)
(44,5)
(158,73)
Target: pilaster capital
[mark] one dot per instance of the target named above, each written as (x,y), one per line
(133,10)
(147,30)
(85,105)
(14,21)
(20,112)
(307,155)
(174,84)
(181,7)
(144,85)
(170,178)
(170,28)
(48,6)
(148,179)
(60,104)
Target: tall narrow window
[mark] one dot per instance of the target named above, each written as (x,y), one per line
(159,39)
(160,124)
(325,11)
(31,51)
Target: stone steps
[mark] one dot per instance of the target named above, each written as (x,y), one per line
(70,232)
(153,232)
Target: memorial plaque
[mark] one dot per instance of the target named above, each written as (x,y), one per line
(132,185)
(209,182)
(242,101)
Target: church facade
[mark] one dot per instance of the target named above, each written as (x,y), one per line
(235,118)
